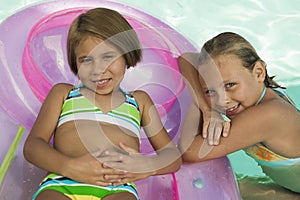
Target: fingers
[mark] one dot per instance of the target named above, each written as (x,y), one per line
(125,180)
(217,134)
(113,178)
(116,165)
(111,156)
(116,161)
(96,153)
(215,131)
(127,149)
(118,180)
(205,149)
(226,129)
(113,172)
(216,128)
(109,177)
(107,180)
(211,132)
(205,128)
(121,182)
(104,184)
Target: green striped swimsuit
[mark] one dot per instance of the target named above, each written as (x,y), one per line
(78,107)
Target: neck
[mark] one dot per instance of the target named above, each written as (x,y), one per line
(261,96)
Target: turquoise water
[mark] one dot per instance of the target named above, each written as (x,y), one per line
(272,26)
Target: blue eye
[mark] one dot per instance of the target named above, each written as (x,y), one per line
(210,92)
(108,57)
(229,85)
(86,60)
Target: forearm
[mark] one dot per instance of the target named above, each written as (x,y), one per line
(191,154)
(200,150)
(166,161)
(188,64)
(44,156)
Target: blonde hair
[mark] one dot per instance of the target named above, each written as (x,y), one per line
(232,43)
(107,25)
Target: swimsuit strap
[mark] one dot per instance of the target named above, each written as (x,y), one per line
(261,96)
(78,107)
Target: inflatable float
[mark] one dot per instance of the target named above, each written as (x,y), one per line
(33,59)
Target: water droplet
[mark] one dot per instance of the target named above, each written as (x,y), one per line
(198,183)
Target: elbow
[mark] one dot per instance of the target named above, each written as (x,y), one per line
(191,157)
(187,158)
(26,150)
(178,164)
(187,155)
(177,161)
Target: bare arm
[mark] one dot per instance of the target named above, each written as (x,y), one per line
(167,157)
(213,124)
(38,151)
(188,64)
(245,131)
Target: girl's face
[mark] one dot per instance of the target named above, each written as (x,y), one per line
(228,86)
(101,67)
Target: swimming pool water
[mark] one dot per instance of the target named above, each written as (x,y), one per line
(272,26)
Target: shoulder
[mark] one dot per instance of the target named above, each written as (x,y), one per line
(273,111)
(284,114)
(281,120)
(143,100)
(190,57)
(60,91)
(52,104)
(62,87)
(277,109)
(272,107)
(273,117)
(141,97)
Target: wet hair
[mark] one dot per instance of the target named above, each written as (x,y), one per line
(107,25)
(231,43)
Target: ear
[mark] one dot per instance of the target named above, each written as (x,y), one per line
(259,71)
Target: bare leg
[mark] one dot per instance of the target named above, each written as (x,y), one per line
(50,195)
(118,196)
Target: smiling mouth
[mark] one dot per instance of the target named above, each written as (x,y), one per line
(103,82)
(233,110)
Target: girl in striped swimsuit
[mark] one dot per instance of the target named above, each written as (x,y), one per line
(96,125)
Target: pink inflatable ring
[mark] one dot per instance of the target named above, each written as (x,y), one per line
(33,59)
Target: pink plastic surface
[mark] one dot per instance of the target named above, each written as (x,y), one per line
(33,59)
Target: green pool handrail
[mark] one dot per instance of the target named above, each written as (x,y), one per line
(11,153)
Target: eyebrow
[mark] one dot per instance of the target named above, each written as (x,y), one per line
(111,52)
(82,57)
(105,53)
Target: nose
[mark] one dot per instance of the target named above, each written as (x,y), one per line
(99,68)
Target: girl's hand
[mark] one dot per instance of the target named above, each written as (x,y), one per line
(88,169)
(214,125)
(130,177)
(130,161)
(126,162)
